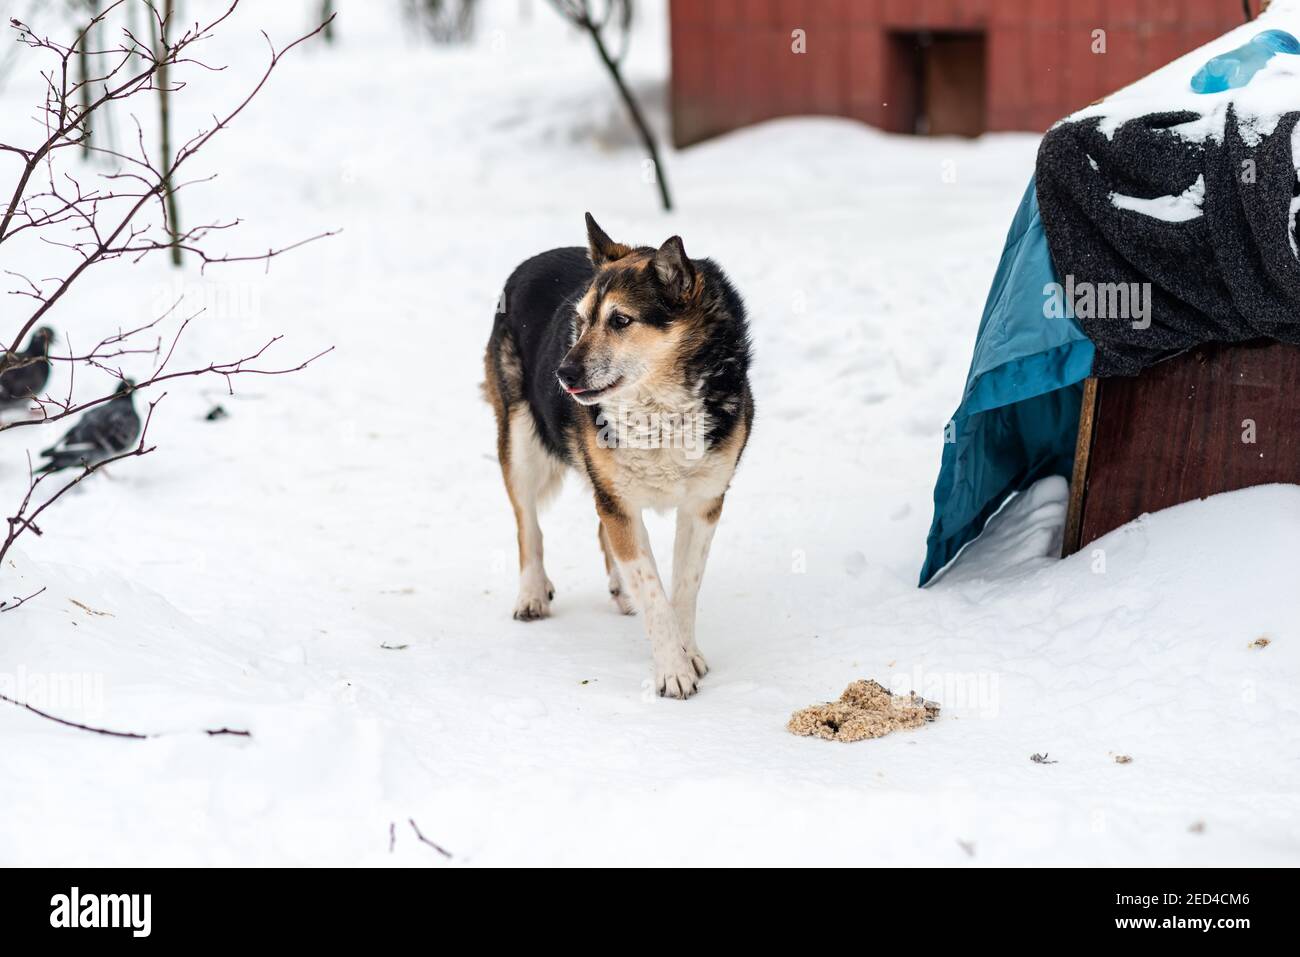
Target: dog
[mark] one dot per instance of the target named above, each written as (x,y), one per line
(629,365)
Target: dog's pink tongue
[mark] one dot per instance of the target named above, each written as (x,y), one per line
(572,391)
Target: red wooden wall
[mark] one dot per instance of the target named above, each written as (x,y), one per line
(732,63)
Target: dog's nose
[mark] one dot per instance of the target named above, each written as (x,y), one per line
(570,375)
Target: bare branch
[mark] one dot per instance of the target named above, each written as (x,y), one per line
(437,847)
(19,602)
(66,120)
(52,410)
(578,12)
(133,735)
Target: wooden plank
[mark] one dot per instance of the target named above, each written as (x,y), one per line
(1212,420)
(1079,478)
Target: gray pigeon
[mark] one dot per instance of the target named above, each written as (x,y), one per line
(19,384)
(104,431)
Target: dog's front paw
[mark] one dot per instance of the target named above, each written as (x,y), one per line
(534,602)
(680,676)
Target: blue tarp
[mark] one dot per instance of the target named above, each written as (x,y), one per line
(1019,416)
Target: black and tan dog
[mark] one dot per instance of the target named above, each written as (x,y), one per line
(629,365)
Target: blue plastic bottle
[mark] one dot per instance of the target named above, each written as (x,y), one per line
(1234,69)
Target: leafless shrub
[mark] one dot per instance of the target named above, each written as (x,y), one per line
(122,212)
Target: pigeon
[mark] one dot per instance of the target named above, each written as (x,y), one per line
(104,431)
(19,384)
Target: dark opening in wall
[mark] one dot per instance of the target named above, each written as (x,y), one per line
(942,81)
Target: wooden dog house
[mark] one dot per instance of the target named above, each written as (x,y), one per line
(1215,419)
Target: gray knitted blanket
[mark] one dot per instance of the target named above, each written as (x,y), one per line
(1199,236)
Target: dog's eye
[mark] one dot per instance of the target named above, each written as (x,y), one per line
(620,321)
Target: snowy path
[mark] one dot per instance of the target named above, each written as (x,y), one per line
(254,569)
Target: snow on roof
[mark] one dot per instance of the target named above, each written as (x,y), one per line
(1258,105)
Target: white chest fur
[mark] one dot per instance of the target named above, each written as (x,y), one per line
(659,450)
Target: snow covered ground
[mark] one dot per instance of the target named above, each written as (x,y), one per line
(331,566)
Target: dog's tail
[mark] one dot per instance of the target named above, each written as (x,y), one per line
(503,383)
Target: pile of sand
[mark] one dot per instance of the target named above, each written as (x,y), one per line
(865,710)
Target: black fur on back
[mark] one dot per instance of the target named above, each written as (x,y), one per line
(534,322)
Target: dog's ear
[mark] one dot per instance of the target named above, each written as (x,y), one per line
(600,248)
(674,270)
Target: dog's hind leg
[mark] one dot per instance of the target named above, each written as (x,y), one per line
(532,476)
(616,590)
